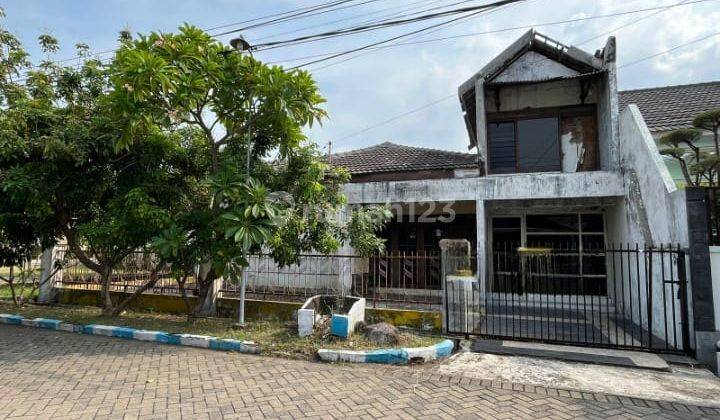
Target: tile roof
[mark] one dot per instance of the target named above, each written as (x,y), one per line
(390,157)
(670,107)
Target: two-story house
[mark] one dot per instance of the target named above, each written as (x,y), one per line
(554,167)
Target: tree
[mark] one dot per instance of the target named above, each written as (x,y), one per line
(710,121)
(61,168)
(257,182)
(697,166)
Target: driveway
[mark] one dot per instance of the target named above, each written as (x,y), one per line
(48,374)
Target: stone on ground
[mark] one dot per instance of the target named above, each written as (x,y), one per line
(382,333)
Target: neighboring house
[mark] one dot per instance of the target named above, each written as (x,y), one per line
(668,108)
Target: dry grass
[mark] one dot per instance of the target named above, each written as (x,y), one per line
(274,338)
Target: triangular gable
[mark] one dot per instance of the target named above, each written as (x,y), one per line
(533,67)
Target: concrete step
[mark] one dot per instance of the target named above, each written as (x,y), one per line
(592,355)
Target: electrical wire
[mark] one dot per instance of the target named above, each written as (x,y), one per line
(379,25)
(444,98)
(506,29)
(496,4)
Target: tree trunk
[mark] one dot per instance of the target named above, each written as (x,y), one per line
(207,291)
(154,277)
(105,292)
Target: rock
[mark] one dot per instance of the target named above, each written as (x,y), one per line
(382,333)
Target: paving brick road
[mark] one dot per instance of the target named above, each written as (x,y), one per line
(48,374)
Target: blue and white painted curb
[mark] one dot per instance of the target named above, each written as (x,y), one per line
(398,356)
(202,341)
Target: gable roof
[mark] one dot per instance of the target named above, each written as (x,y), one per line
(390,157)
(568,61)
(668,108)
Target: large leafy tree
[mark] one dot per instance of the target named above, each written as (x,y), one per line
(257,183)
(62,174)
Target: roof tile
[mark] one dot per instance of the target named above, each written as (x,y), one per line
(670,107)
(390,157)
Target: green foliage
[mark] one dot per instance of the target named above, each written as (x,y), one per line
(708,120)
(698,167)
(61,173)
(257,184)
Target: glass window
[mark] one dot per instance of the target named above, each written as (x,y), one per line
(552,223)
(538,147)
(501,148)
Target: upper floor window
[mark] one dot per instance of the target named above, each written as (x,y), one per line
(543,140)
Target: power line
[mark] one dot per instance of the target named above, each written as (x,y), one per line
(634,22)
(669,50)
(379,25)
(323,8)
(507,29)
(444,98)
(496,4)
(439,28)
(354,17)
(227,25)
(290,15)
(395,118)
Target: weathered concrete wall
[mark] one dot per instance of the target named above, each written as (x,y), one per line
(539,95)
(496,187)
(533,66)
(651,212)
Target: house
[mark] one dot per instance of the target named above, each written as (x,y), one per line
(564,199)
(669,108)
(567,224)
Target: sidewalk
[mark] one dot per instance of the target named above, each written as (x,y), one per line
(684,385)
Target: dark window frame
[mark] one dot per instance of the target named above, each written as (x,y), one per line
(537,113)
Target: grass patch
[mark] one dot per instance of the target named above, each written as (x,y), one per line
(275,338)
(5,292)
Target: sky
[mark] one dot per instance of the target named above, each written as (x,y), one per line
(371,97)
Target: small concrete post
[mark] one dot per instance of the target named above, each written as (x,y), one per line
(481,257)
(46,292)
(345,262)
(454,257)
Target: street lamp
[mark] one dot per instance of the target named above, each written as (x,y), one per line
(240,44)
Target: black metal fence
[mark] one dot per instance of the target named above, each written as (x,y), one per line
(625,297)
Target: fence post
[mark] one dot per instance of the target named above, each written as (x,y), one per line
(46,292)
(703,306)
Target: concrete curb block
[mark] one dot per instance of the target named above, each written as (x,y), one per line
(190,340)
(399,356)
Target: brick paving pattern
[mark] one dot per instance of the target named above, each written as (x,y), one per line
(48,374)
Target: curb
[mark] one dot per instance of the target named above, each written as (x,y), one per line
(399,356)
(189,340)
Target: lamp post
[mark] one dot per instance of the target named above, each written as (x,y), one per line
(241,45)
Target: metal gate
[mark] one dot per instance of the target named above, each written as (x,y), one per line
(624,297)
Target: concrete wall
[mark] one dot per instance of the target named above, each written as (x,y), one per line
(539,95)
(321,274)
(495,187)
(653,209)
(651,212)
